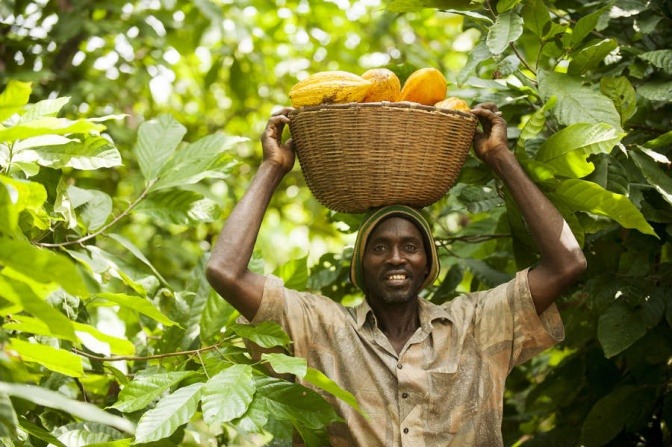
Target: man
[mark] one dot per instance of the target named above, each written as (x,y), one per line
(426,375)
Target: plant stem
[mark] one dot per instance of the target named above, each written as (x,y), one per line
(118,358)
(106,226)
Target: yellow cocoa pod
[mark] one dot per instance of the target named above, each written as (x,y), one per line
(329,87)
(385,85)
(453,103)
(425,86)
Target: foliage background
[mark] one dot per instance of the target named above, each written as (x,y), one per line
(129,130)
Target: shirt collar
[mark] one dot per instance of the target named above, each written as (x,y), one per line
(429,312)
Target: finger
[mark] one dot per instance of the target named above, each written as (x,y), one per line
(283,111)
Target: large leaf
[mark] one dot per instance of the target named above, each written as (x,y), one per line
(507,28)
(295,403)
(584,26)
(653,174)
(591,56)
(207,157)
(536,16)
(93,153)
(58,401)
(145,388)
(566,150)
(137,304)
(266,334)
(55,359)
(227,395)
(318,379)
(576,102)
(81,434)
(590,197)
(179,207)
(170,413)
(294,273)
(46,107)
(659,58)
(157,140)
(622,93)
(286,364)
(13,98)
(656,91)
(42,265)
(93,206)
(48,126)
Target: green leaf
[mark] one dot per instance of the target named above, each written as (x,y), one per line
(46,107)
(13,98)
(535,124)
(294,273)
(656,91)
(42,265)
(266,334)
(157,141)
(587,196)
(93,206)
(147,387)
(171,412)
(138,254)
(227,395)
(607,417)
(8,420)
(93,153)
(577,103)
(286,364)
(40,433)
(81,434)
(479,54)
(535,16)
(590,57)
(138,304)
(23,291)
(653,174)
(566,150)
(119,346)
(585,25)
(179,207)
(49,126)
(207,157)
(295,403)
(622,93)
(58,401)
(619,327)
(317,378)
(659,58)
(416,5)
(507,28)
(55,359)
(9,213)
(658,142)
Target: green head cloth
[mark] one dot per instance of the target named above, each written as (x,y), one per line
(372,220)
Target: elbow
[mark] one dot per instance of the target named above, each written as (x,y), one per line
(219,276)
(574,267)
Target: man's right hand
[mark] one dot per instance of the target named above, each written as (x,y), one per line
(275,151)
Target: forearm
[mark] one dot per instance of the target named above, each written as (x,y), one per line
(227,269)
(562,260)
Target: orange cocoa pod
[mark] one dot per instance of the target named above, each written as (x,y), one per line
(453,103)
(425,86)
(385,85)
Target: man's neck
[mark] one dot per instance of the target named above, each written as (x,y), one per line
(398,321)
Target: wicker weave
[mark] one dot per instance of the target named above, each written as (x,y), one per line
(359,156)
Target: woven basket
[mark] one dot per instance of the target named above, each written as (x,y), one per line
(359,156)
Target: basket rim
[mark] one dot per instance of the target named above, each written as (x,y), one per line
(383,105)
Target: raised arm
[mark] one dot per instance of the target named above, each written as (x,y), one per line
(562,260)
(227,270)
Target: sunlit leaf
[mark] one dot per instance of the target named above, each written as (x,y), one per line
(93,207)
(137,304)
(55,359)
(286,364)
(58,401)
(171,412)
(227,395)
(145,388)
(266,334)
(90,154)
(157,140)
(294,273)
(46,107)
(13,98)
(81,434)
(179,207)
(49,125)
(317,378)
(590,197)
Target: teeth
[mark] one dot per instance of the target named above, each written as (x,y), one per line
(395,277)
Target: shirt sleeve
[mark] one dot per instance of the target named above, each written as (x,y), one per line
(507,326)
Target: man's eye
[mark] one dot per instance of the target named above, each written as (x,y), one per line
(411,247)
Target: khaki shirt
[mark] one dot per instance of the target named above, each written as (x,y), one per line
(445,388)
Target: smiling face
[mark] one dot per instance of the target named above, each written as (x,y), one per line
(394,262)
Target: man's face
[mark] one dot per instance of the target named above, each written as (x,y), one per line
(394,262)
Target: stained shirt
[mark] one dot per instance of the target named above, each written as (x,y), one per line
(445,387)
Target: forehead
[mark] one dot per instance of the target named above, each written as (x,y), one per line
(396,226)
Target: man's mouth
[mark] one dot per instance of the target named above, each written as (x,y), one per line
(396,278)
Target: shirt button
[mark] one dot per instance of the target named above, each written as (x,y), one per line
(404,395)
(405,430)
(399,365)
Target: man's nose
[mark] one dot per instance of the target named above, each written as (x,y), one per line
(396,256)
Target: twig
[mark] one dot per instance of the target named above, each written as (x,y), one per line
(118,358)
(106,226)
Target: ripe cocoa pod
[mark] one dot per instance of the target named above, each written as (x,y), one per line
(329,87)
(385,85)
(425,86)
(453,103)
